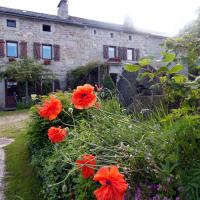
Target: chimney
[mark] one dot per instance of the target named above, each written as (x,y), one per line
(63,9)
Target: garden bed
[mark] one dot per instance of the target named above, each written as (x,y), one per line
(157,157)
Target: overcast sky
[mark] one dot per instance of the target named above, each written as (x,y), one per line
(162,16)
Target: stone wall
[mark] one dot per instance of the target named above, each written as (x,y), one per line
(78,45)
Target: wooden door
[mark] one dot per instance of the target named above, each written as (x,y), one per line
(10,94)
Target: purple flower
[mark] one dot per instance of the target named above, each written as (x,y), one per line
(159,187)
(138,194)
(169,179)
(157,197)
(165,198)
(154,186)
(178,198)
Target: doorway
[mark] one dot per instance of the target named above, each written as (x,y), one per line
(10,94)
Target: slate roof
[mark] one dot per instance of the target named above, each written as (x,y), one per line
(71,20)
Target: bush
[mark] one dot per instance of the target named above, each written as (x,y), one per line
(159,157)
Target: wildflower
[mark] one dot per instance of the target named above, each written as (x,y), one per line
(70,110)
(84,97)
(50,109)
(87,165)
(113,184)
(138,194)
(57,134)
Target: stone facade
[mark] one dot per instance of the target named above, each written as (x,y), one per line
(79,43)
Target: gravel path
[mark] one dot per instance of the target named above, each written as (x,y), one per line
(3,142)
(5,121)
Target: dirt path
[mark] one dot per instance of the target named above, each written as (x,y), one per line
(5,120)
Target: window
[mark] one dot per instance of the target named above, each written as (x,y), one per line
(112,35)
(46,51)
(11,23)
(111,52)
(130,37)
(46,28)
(95,32)
(12,49)
(129,54)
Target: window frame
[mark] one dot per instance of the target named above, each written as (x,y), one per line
(46,26)
(11,20)
(115,53)
(48,45)
(12,42)
(130,49)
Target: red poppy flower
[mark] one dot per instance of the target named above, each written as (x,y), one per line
(57,134)
(113,184)
(84,97)
(50,109)
(87,165)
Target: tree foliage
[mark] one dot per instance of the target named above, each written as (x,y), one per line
(25,70)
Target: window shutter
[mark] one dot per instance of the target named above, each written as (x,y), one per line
(124,53)
(120,53)
(56,52)
(2,51)
(23,49)
(37,51)
(105,51)
(133,54)
(137,56)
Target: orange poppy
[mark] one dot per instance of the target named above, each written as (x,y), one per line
(50,109)
(113,184)
(84,97)
(57,134)
(87,165)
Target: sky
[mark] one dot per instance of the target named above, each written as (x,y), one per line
(166,17)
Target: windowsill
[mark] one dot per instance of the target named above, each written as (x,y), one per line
(12,57)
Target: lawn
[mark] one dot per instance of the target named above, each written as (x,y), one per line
(21,181)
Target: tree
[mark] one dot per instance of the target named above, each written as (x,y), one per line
(193,27)
(26,70)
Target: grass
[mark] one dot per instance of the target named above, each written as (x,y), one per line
(9,113)
(21,181)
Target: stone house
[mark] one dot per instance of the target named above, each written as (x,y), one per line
(64,42)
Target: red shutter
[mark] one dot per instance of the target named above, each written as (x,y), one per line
(120,53)
(36,50)
(23,49)
(2,51)
(137,56)
(56,52)
(133,54)
(105,51)
(124,53)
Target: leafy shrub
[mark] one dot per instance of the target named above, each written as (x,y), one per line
(159,157)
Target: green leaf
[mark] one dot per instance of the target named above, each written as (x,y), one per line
(146,74)
(169,57)
(179,78)
(132,68)
(175,69)
(145,61)
(161,69)
(163,79)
